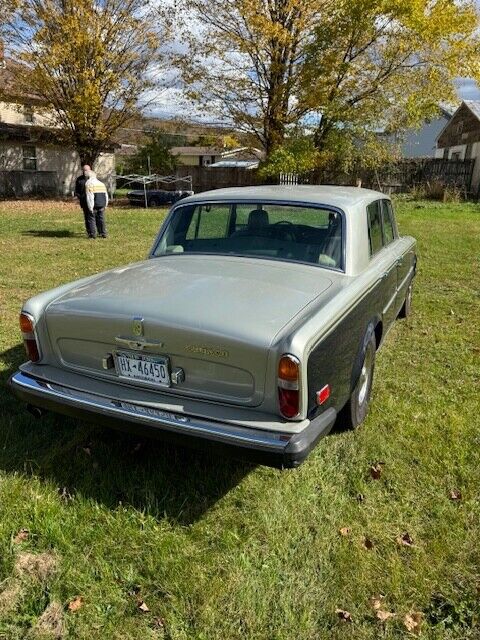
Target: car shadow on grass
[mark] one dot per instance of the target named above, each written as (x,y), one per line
(113,468)
(52,233)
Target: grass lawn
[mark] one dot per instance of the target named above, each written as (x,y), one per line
(105,536)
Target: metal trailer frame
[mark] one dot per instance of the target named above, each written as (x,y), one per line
(149,179)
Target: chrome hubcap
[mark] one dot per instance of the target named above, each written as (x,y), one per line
(364,379)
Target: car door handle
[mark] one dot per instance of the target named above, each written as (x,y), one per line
(385,275)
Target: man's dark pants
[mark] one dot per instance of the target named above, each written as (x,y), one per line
(86,217)
(95,218)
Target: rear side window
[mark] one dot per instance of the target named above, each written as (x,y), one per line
(375,236)
(388,222)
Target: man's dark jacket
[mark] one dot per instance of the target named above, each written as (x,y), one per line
(80,189)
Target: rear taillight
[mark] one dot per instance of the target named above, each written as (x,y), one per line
(289,386)
(27,327)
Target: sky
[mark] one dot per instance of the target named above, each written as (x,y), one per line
(170,103)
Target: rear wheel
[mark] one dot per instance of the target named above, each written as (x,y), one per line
(407,305)
(153,202)
(356,409)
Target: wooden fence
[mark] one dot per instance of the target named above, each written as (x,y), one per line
(404,175)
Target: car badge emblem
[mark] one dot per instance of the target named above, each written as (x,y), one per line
(137,327)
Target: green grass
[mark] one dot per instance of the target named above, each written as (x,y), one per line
(218,549)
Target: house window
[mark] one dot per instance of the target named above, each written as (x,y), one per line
(445,153)
(468,151)
(29,158)
(455,155)
(28,114)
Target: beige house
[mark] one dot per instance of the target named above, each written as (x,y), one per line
(208,156)
(33,160)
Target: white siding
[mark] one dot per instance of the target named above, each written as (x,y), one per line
(64,162)
(12,113)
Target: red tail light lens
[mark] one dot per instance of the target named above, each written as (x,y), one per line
(288,401)
(289,386)
(32,350)
(27,327)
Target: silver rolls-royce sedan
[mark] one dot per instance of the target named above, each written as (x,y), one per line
(253,324)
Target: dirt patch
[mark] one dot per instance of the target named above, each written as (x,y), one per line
(40,566)
(50,625)
(9,598)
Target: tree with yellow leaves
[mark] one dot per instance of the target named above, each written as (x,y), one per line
(88,61)
(344,68)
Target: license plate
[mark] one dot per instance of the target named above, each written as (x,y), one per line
(137,366)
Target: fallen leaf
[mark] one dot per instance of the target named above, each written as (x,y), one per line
(346,616)
(344,531)
(21,536)
(143,607)
(413,622)
(376,602)
(455,495)
(75,604)
(368,543)
(405,540)
(383,616)
(376,470)
(159,623)
(360,497)
(87,450)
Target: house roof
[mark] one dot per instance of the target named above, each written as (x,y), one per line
(34,135)
(238,164)
(10,70)
(474,106)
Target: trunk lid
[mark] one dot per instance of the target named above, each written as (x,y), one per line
(215,316)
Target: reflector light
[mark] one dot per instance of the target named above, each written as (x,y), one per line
(324,394)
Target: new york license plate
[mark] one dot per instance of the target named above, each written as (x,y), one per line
(137,366)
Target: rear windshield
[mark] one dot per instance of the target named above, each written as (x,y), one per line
(277,231)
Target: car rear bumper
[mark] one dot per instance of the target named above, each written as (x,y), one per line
(275,448)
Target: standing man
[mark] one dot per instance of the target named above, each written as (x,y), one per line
(81,194)
(97,201)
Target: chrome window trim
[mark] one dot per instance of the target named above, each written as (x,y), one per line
(252,201)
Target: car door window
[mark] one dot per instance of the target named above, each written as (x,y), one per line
(209,221)
(375,234)
(388,223)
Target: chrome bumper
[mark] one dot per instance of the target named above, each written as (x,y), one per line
(279,448)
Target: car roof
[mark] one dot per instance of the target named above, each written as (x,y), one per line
(335,196)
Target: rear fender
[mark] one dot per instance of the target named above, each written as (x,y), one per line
(362,347)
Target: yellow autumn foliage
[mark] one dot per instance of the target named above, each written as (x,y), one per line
(87,60)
